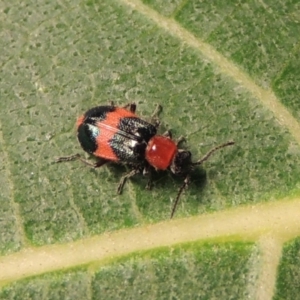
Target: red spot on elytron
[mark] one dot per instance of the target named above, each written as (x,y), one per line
(108,128)
(160,151)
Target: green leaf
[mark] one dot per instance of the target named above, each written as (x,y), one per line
(221,71)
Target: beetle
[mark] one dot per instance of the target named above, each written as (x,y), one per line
(116,134)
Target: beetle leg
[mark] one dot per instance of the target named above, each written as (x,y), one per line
(180,140)
(131,107)
(155,116)
(98,164)
(168,134)
(67,158)
(147,171)
(149,183)
(185,184)
(125,177)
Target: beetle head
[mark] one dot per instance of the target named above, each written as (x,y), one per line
(182,162)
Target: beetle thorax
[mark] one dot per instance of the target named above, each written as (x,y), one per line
(160,152)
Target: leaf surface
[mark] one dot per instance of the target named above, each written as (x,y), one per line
(221,71)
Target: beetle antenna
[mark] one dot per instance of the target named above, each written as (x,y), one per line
(209,153)
(184,185)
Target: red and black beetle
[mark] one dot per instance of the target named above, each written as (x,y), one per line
(117,134)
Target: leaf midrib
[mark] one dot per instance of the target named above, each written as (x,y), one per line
(250,223)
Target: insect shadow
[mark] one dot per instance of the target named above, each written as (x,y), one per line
(161,189)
